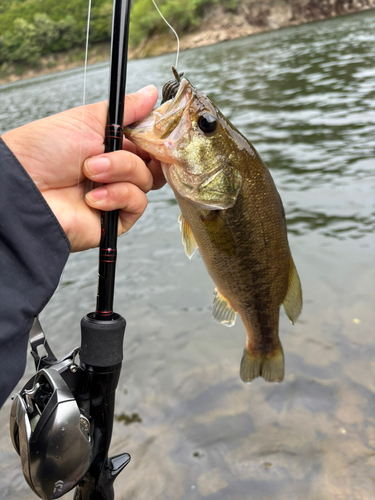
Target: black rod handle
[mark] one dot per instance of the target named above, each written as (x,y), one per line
(98,375)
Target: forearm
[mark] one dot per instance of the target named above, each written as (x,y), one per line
(33,252)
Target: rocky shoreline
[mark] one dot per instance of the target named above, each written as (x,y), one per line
(217,26)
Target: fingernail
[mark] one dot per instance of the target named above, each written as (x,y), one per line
(146,90)
(96,195)
(97,165)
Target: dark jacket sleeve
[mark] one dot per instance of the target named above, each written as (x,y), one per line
(33,253)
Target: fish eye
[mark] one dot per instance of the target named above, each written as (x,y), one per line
(207,123)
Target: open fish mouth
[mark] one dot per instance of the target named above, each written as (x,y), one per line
(155,133)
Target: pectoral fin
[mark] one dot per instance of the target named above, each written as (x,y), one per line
(187,237)
(293,298)
(222,311)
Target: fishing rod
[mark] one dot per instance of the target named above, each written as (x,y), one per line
(61,421)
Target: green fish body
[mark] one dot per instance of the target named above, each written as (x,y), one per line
(232,212)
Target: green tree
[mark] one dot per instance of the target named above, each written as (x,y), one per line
(183,16)
(30,29)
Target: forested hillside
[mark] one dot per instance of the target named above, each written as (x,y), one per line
(31,29)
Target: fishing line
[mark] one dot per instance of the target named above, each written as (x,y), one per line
(54,300)
(86,56)
(84,94)
(167,23)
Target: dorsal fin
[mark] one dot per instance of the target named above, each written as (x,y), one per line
(293,298)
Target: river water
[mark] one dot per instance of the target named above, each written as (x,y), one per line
(305,97)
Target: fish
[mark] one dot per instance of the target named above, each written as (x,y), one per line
(232,213)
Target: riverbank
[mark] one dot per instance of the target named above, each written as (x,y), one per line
(217,25)
(204,434)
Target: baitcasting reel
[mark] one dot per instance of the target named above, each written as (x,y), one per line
(50,434)
(50,430)
(47,428)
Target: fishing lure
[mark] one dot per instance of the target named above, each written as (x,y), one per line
(170,88)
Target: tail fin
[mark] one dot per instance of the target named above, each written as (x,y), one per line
(268,366)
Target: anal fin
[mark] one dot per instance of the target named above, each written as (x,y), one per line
(222,312)
(187,237)
(269,366)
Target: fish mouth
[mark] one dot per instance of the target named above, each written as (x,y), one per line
(155,134)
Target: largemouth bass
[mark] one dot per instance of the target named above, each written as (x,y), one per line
(232,212)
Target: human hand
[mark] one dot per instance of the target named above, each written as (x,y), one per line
(64,150)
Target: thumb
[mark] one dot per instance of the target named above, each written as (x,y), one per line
(140,104)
